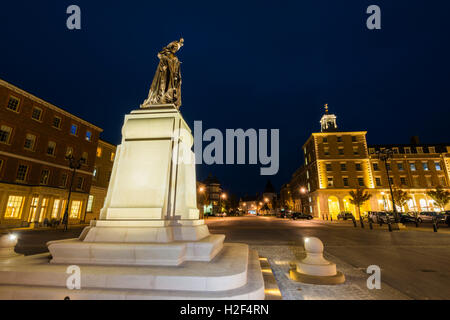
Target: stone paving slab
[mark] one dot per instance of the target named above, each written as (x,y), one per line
(355,287)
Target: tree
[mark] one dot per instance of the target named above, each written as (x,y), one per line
(401,197)
(288,204)
(440,196)
(358,198)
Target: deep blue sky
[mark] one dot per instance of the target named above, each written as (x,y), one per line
(262,64)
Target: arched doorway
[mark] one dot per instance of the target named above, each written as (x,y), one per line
(349,207)
(333,207)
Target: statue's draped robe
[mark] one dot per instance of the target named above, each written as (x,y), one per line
(166,86)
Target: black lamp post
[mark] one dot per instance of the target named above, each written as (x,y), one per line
(385,155)
(74,165)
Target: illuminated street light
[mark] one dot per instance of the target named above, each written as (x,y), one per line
(385,155)
(303,190)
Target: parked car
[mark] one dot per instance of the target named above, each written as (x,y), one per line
(345,216)
(221,214)
(407,217)
(282,214)
(428,216)
(447,217)
(301,215)
(384,217)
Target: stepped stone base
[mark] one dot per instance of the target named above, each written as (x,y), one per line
(235,273)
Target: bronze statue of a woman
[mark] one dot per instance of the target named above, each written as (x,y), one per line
(166,86)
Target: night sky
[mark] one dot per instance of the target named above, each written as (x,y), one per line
(262,65)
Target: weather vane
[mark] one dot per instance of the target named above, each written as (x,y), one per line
(326,108)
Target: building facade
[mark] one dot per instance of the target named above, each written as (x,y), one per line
(35,138)
(104,161)
(339,161)
(213,194)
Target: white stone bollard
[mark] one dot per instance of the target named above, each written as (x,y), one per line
(315,269)
(7,244)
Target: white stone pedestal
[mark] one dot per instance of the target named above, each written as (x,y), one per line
(149,242)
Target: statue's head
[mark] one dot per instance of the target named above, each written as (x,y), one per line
(176,45)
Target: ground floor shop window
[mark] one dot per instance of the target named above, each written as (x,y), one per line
(56,209)
(33,209)
(44,206)
(14,207)
(75,209)
(90,203)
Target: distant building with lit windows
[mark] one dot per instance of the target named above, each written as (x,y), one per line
(104,161)
(336,162)
(35,138)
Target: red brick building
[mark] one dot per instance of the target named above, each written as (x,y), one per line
(35,138)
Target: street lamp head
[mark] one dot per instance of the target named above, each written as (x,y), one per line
(303,190)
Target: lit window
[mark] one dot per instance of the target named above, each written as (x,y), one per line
(438,166)
(57,122)
(33,209)
(113,155)
(355,151)
(412,166)
(44,206)
(330,182)
(75,210)
(425,166)
(13,104)
(5,134)
(90,203)
(74,129)
(95,173)
(400,166)
(14,207)
(56,207)
(45,174)
(99,152)
(36,114)
(22,173)
(88,135)
(51,148)
(30,141)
